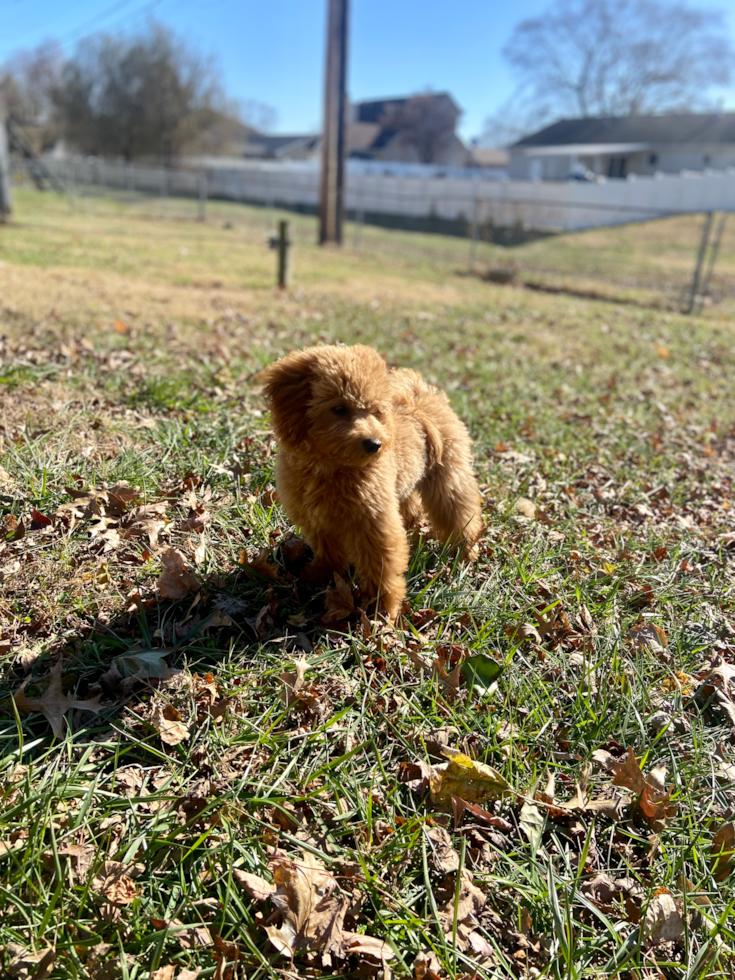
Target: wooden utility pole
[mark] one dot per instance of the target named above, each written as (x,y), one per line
(4,166)
(331,209)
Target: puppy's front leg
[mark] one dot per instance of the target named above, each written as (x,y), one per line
(379,551)
(329,557)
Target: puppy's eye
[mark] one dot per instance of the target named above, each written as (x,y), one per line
(340,410)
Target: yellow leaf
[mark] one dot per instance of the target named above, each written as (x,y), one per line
(467,779)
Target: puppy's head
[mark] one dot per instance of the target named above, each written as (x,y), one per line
(333,403)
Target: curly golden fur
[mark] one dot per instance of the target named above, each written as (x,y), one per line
(364,452)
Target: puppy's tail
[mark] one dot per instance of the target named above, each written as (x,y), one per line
(434,441)
(420,399)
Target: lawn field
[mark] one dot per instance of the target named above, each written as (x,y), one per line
(210,768)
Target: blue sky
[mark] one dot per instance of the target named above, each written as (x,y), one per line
(272,52)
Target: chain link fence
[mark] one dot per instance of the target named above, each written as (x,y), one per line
(649,241)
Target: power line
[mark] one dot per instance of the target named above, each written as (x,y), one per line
(115,25)
(113,9)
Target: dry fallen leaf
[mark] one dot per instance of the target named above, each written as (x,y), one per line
(177,580)
(144,520)
(726,763)
(311,915)
(54,704)
(167,722)
(107,502)
(581,802)
(260,566)
(338,601)
(717,689)
(722,855)
(653,798)
(532,822)
(445,857)
(164,972)
(293,681)
(663,921)
(26,965)
(82,857)
(416,775)
(518,632)
(116,884)
(465,911)
(258,887)
(603,892)
(465,778)
(647,636)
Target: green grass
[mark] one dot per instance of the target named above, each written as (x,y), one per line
(616,420)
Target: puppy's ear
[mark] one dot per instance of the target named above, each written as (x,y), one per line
(288,390)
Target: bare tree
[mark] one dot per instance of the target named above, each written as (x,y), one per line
(143,96)
(28,80)
(425,122)
(261,116)
(619,57)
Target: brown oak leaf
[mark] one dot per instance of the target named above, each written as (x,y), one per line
(177,580)
(54,704)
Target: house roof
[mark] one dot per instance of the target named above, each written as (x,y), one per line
(483,156)
(685,128)
(372,110)
(263,145)
(274,143)
(361,135)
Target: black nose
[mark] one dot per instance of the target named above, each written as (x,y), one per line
(371,445)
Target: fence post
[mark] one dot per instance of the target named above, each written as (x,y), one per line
(704,291)
(282,244)
(202,197)
(4,170)
(359,216)
(700,262)
(164,192)
(474,232)
(71,187)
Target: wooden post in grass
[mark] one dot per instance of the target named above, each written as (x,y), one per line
(202,197)
(474,234)
(164,192)
(282,244)
(700,262)
(4,167)
(71,185)
(704,290)
(331,206)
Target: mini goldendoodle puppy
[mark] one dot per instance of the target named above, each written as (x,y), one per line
(364,451)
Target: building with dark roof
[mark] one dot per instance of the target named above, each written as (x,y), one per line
(265,146)
(615,147)
(376,130)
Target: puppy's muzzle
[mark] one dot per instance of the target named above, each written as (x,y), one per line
(371,445)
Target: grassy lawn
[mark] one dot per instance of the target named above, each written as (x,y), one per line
(210,768)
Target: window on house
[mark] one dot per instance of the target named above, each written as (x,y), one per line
(653,159)
(618,167)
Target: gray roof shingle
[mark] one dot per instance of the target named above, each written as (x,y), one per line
(697,128)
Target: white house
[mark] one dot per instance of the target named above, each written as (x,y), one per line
(615,147)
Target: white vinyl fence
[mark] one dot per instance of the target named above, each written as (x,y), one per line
(540,206)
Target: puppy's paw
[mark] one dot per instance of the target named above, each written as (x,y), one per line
(471,552)
(316,573)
